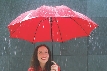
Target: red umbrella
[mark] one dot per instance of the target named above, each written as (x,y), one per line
(48,23)
(36,25)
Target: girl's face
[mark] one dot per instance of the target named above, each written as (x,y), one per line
(43,54)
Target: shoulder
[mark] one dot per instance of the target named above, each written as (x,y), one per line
(59,69)
(31,69)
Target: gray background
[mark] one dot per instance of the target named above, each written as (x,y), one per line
(81,54)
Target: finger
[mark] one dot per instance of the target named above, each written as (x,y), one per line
(53,70)
(53,62)
(54,67)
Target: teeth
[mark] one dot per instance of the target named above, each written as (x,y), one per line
(43,58)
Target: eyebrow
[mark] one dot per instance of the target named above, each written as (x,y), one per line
(45,51)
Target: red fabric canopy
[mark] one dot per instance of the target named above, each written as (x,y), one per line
(48,23)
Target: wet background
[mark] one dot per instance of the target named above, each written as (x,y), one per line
(81,54)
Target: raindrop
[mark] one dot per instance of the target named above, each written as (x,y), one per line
(5,51)
(2,53)
(39,24)
(93,48)
(15,47)
(99,47)
(65,65)
(43,26)
(62,48)
(68,15)
(22,53)
(60,52)
(4,48)
(57,33)
(62,10)
(5,39)
(66,59)
(57,39)
(69,11)
(101,52)
(90,36)
(16,36)
(90,25)
(18,41)
(27,17)
(34,38)
(15,52)
(20,25)
(95,27)
(3,68)
(46,13)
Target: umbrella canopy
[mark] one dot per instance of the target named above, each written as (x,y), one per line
(47,23)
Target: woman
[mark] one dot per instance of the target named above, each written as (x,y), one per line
(41,60)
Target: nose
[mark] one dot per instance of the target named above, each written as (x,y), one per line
(43,55)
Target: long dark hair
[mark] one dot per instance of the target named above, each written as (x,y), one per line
(35,62)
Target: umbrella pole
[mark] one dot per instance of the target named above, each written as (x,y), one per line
(87,51)
(50,20)
(52,51)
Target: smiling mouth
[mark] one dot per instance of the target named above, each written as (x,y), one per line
(44,58)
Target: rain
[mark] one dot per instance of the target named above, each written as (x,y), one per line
(77,54)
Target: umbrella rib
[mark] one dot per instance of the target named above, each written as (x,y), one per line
(59,30)
(79,25)
(17,28)
(37,29)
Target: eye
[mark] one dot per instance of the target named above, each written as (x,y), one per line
(40,52)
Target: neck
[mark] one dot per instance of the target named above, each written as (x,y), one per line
(42,66)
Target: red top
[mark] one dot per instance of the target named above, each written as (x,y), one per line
(40,69)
